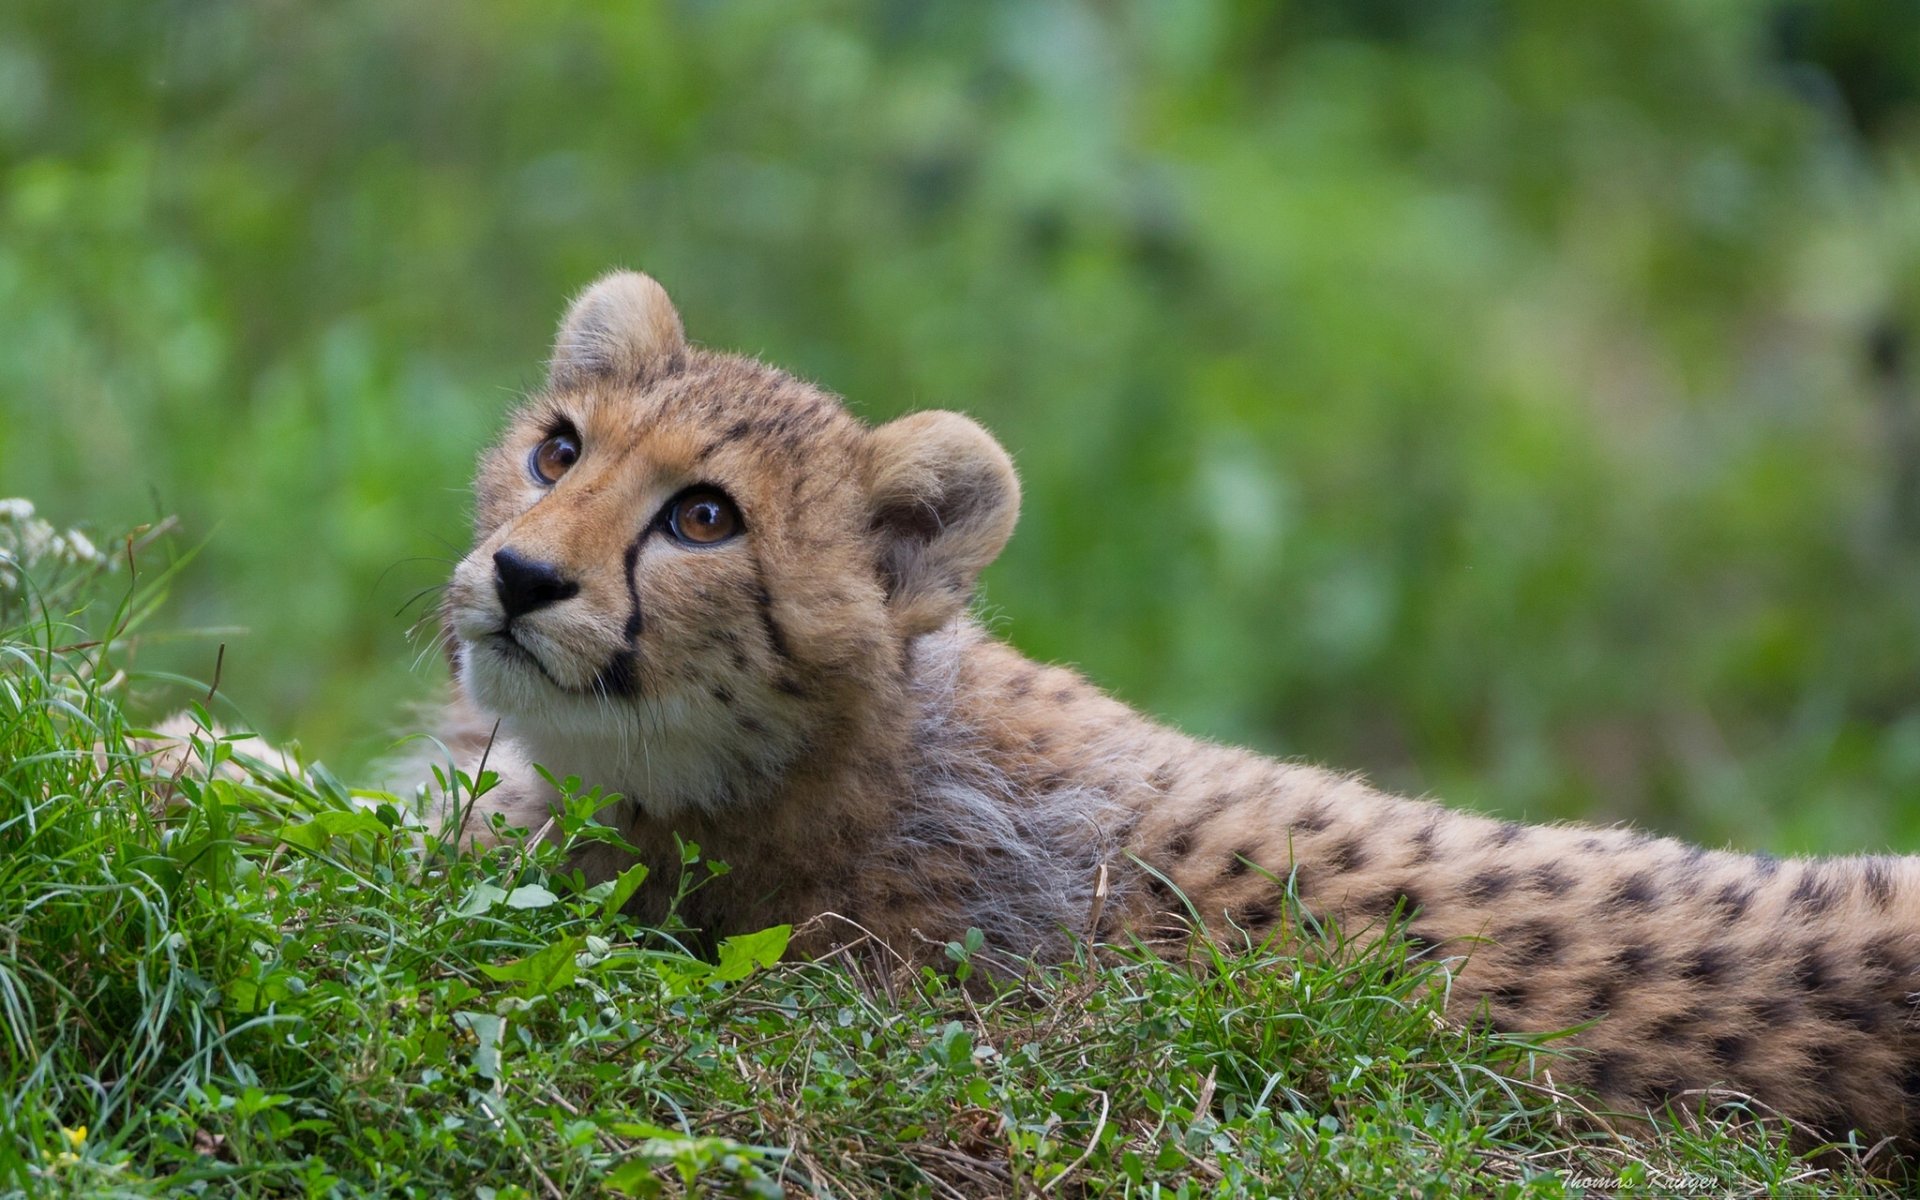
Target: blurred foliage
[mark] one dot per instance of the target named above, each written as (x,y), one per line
(1508,400)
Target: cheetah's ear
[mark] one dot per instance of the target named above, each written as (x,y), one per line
(944,500)
(623,329)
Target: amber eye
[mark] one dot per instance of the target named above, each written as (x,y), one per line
(552,457)
(702,517)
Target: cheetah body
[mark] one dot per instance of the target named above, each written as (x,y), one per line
(809,701)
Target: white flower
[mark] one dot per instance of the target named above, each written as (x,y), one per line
(80,548)
(26,541)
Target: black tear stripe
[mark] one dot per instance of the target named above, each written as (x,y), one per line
(620,677)
(632,560)
(763,600)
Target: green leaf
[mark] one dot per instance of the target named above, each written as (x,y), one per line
(487,1030)
(324,827)
(634,1178)
(531,895)
(624,886)
(246,994)
(329,785)
(742,955)
(542,972)
(483,897)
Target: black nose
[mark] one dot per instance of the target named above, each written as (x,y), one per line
(525,585)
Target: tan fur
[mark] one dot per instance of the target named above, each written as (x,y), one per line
(809,703)
(622,327)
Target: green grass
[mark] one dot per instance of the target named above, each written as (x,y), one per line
(283,987)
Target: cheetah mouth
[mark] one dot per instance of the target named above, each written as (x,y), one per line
(503,643)
(617,677)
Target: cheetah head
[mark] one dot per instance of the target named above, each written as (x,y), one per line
(692,571)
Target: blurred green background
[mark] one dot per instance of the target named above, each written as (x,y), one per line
(1511,401)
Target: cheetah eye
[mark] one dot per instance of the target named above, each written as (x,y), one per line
(702,517)
(551,458)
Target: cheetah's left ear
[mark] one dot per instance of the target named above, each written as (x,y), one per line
(944,499)
(622,330)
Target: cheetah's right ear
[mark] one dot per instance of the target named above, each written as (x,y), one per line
(944,499)
(623,330)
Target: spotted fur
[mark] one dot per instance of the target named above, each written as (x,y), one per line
(810,703)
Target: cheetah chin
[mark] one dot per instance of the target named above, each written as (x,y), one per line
(701,583)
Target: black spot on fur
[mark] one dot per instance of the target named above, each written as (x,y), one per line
(1487,885)
(1612,1073)
(1635,891)
(787,685)
(1533,943)
(1314,820)
(1550,879)
(1423,843)
(1384,903)
(1766,865)
(1510,995)
(1706,965)
(1505,834)
(1853,1011)
(1811,972)
(1181,843)
(1346,855)
(1728,1049)
(1877,877)
(1237,862)
(721,694)
(1828,1061)
(1814,893)
(1772,1010)
(1484,1022)
(1418,943)
(1883,964)
(1601,998)
(1732,901)
(1659,1094)
(1634,960)
(1257,916)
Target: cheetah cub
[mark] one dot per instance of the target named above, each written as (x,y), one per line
(700,583)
